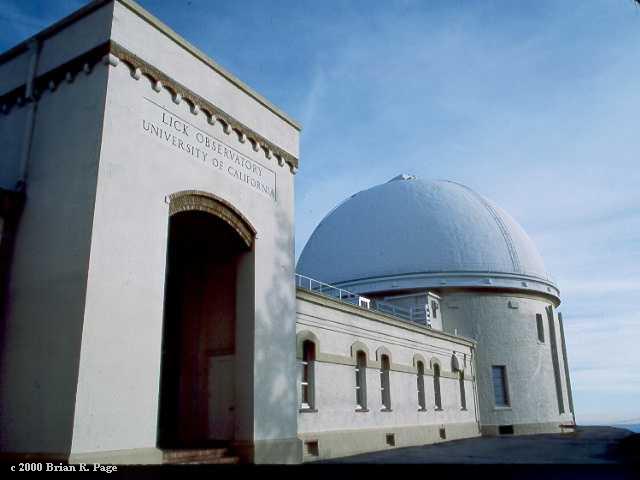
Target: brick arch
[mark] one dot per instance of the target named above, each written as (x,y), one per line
(190,200)
(419,358)
(355,347)
(303,336)
(382,350)
(434,361)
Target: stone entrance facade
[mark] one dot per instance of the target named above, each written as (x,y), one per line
(118,134)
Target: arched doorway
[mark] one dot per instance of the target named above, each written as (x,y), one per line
(207,247)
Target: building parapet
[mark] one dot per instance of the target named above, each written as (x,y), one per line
(411,314)
(379,316)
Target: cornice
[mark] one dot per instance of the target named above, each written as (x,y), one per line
(161,27)
(50,80)
(53,29)
(214,114)
(112,54)
(164,29)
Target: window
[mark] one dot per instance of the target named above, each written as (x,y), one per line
(436,386)
(307,378)
(385,389)
(540,325)
(421,399)
(361,380)
(463,397)
(500,385)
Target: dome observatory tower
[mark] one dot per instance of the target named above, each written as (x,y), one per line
(440,246)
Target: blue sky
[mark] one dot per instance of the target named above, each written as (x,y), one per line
(533,104)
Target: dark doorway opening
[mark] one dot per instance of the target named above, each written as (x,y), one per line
(197,384)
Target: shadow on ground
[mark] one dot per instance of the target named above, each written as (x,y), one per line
(588,445)
(628,449)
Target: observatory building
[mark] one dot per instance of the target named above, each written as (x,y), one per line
(439,243)
(150,307)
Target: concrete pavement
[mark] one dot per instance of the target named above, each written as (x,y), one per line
(588,445)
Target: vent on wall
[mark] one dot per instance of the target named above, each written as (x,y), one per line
(443,434)
(505,429)
(312,448)
(391,439)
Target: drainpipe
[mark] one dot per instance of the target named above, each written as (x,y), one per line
(30,99)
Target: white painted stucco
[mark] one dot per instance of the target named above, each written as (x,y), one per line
(92,245)
(41,340)
(508,336)
(117,393)
(135,34)
(336,330)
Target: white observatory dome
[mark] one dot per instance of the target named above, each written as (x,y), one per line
(410,233)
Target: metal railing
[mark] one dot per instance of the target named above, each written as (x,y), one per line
(411,314)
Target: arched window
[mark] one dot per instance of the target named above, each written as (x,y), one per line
(421,399)
(463,398)
(385,388)
(436,386)
(307,384)
(361,380)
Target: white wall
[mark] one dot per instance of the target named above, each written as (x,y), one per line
(336,329)
(41,337)
(508,336)
(81,357)
(135,34)
(118,383)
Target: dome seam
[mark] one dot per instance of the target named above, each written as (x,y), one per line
(513,253)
